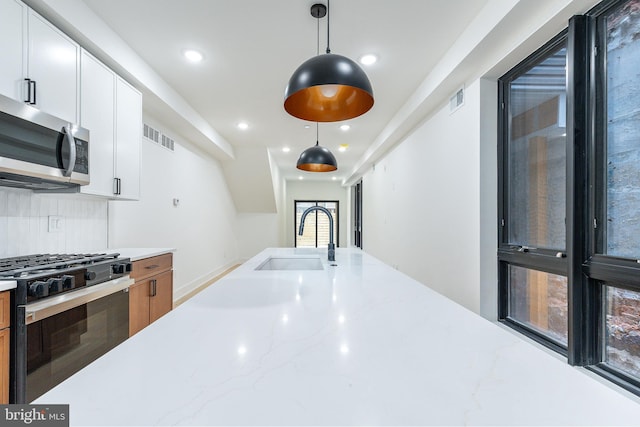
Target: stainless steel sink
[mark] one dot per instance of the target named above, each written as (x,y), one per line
(291,263)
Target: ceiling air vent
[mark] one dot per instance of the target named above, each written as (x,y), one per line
(158,137)
(457,100)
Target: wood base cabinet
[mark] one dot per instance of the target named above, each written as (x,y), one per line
(4,346)
(151,296)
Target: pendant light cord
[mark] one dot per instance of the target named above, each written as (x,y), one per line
(318,36)
(317,138)
(328,16)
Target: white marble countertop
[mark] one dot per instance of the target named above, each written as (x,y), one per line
(6,285)
(139,253)
(355,344)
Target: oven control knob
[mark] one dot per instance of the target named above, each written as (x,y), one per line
(90,275)
(121,268)
(55,285)
(38,289)
(68,282)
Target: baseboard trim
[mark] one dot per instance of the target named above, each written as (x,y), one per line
(187,292)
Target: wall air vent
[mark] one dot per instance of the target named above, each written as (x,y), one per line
(154,135)
(151,133)
(167,142)
(457,100)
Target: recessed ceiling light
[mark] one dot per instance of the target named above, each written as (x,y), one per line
(345,127)
(333,178)
(193,55)
(307,126)
(286,149)
(343,147)
(300,178)
(368,59)
(243,126)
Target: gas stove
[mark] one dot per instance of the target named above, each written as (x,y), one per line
(45,275)
(66,310)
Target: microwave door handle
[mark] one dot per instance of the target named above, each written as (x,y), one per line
(70,140)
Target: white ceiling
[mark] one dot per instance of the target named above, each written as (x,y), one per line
(251,48)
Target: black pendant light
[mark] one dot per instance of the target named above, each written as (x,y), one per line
(328,88)
(317,158)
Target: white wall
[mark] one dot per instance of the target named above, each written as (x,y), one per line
(201,228)
(256,232)
(24,223)
(315,190)
(421,203)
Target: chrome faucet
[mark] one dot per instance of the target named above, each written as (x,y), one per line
(332,247)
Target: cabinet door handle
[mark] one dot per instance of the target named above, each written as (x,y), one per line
(153,287)
(35,98)
(31,84)
(117,186)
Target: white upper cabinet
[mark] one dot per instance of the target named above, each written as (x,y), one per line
(128,140)
(13,48)
(40,64)
(112,111)
(97,106)
(53,67)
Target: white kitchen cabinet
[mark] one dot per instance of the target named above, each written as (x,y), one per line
(97,113)
(33,49)
(112,111)
(53,64)
(128,140)
(13,48)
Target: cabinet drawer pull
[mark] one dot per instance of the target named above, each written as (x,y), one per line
(151,267)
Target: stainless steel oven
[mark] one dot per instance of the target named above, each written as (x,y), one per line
(65,335)
(65,314)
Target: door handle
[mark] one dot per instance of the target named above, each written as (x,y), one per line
(153,283)
(70,140)
(31,84)
(117,186)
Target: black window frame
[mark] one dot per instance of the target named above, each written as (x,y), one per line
(541,259)
(357,214)
(587,267)
(336,222)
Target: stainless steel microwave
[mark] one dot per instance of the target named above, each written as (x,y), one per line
(40,151)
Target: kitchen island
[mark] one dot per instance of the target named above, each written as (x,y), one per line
(353,344)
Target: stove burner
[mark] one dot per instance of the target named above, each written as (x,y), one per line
(41,263)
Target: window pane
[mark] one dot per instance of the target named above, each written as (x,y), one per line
(316,225)
(622,326)
(623,131)
(537,154)
(539,300)
(308,239)
(323,224)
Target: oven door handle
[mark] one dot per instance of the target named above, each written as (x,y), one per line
(37,311)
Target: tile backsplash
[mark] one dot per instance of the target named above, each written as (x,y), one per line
(25,218)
